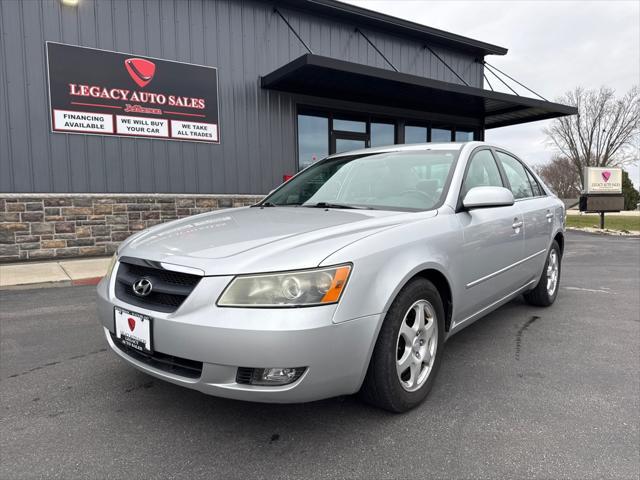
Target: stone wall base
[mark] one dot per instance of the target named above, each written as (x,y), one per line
(50,226)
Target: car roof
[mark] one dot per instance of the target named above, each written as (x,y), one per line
(409,147)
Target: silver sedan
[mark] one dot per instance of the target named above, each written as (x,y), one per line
(348,278)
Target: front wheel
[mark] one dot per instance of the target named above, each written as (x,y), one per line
(546,291)
(408,351)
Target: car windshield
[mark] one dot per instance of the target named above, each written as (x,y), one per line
(402,180)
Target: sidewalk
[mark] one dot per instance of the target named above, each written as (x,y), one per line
(54,273)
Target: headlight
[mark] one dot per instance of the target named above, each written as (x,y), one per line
(319,286)
(112,264)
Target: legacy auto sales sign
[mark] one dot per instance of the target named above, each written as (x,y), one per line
(107,93)
(603,180)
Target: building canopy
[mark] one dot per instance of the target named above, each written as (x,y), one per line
(322,76)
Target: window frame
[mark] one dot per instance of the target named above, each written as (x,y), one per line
(503,177)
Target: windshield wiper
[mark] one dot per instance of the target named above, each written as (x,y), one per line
(336,205)
(265,204)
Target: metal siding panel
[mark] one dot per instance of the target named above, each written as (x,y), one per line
(6,153)
(38,101)
(213,156)
(94,145)
(183,48)
(60,161)
(138,21)
(202,160)
(251,87)
(14,58)
(243,38)
(226,101)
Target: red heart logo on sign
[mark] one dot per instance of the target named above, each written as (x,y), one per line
(606,175)
(141,70)
(132,323)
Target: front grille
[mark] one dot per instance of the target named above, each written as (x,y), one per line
(169,289)
(168,363)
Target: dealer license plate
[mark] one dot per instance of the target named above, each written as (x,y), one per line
(133,330)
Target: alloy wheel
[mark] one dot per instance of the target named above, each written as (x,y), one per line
(416,345)
(552,272)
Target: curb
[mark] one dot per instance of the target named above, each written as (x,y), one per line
(605,232)
(81,282)
(86,281)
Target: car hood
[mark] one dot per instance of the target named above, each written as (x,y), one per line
(253,239)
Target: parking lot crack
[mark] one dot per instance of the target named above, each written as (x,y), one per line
(521,331)
(51,364)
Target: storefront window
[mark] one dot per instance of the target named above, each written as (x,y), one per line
(344,145)
(464,136)
(382,134)
(440,135)
(349,125)
(313,139)
(322,133)
(414,134)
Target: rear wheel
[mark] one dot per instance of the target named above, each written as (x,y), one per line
(407,354)
(546,291)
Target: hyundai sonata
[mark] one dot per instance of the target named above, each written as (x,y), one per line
(348,278)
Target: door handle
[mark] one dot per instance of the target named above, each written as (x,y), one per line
(549,215)
(516,224)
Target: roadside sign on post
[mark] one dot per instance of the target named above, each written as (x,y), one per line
(602,191)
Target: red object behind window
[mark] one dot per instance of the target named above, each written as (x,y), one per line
(286,178)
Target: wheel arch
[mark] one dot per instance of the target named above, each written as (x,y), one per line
(441,283)
(559,237)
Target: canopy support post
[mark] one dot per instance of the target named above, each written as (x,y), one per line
(427,47)
(275,10)
(376,49)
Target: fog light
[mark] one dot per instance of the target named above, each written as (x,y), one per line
(269,376)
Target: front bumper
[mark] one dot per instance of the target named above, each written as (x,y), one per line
(336,355)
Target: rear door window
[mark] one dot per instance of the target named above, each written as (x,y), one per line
(537,188)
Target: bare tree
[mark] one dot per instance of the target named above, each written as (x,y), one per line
(561,176)
(603,132)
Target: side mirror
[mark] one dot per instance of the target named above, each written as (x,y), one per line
(487,197)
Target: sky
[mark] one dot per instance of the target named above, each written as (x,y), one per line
(554,46)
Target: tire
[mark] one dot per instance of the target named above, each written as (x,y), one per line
(541,295)
(384,386)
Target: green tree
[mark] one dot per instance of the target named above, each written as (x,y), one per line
(631,195)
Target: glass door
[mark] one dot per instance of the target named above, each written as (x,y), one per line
(341,144)
(348,134)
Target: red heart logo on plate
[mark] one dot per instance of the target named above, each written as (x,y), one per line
(132,323)
(606,175)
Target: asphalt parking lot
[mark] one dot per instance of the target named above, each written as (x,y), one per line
(523,393)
